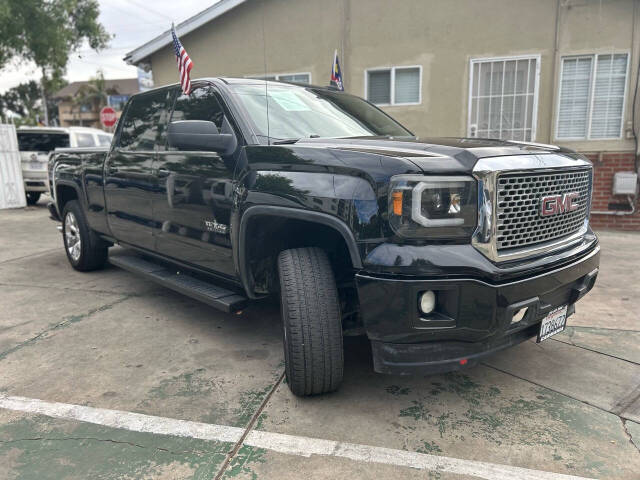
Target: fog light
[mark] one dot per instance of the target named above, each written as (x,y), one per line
(427,301)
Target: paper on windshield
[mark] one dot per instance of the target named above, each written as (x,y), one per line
(289,101)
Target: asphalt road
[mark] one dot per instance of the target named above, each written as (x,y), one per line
(104,375)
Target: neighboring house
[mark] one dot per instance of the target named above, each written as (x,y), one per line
(550,71)
(73,112)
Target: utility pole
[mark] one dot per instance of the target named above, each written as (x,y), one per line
(44,99)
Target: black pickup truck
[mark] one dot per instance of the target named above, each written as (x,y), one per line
(441,251)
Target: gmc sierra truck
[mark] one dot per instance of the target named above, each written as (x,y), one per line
(441,251)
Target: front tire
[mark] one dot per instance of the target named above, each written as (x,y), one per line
(85,250)
(312,322)
(33,197)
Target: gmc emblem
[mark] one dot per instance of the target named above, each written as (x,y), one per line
(557,204)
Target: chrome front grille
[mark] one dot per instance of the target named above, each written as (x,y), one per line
(518,197)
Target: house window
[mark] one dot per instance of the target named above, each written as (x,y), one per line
(503,98)
(295,77)
(592,93)
(394,86)
(286,77)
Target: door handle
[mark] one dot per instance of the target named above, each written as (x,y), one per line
(162,173)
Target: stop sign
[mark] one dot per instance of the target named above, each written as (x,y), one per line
(108,117)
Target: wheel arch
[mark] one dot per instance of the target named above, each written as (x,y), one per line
(319,229)
(65,192)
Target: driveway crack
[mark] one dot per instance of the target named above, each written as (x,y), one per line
(628,434)
(570,343)
(66,322)
(232,453)
(93,439)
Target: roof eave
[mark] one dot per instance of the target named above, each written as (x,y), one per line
(139,54)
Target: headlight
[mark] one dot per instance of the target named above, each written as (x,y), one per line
(433,207)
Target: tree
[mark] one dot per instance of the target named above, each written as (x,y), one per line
(25,100)
(95,92)
(46,32)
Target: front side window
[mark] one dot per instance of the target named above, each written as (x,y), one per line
(145,121)
(291,112)
(591,100)
(504,98)
(201,104)
(394,86)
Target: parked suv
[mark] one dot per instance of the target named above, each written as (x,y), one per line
(441,251)
(35,144)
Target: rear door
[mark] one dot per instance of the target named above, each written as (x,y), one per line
(193,205)
(129,180)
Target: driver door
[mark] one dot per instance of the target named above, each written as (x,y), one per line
(193,201)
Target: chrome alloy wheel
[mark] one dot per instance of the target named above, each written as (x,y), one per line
(72,236)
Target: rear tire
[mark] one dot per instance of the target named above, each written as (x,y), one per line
(33,197)
(312,323)
(85,250)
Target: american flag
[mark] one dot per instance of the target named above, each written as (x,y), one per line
(184,63)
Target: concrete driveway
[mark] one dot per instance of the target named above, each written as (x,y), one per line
(103,375)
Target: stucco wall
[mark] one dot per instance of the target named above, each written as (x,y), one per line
(300,36)
(441,36)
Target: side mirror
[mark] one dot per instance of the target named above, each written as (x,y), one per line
(200,135)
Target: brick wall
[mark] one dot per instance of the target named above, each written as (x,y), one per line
(605,166)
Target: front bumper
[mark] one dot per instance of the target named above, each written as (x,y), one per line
(473,318)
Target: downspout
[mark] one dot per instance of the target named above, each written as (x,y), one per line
(634,106)
(344,44)
(634,53)
(556,40)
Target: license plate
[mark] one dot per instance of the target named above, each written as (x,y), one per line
(554,322)
(35,165)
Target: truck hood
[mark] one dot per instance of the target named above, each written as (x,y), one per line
(435,154)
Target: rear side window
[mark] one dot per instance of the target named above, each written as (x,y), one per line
(42,142)
(201,104)
(104,140)
(145,121)
(85,140)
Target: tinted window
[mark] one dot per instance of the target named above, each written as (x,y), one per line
(145,121)
(42,142)
(85,140)
(201,104)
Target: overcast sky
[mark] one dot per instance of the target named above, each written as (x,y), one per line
(133,22)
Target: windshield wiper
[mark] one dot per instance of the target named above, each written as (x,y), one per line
(287,141)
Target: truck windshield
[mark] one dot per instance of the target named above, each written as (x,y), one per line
(303,112)
(41,142)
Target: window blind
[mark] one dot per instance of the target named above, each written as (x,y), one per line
(379,86)
(591,100)
(575,89)
(407,85)
(608,96)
